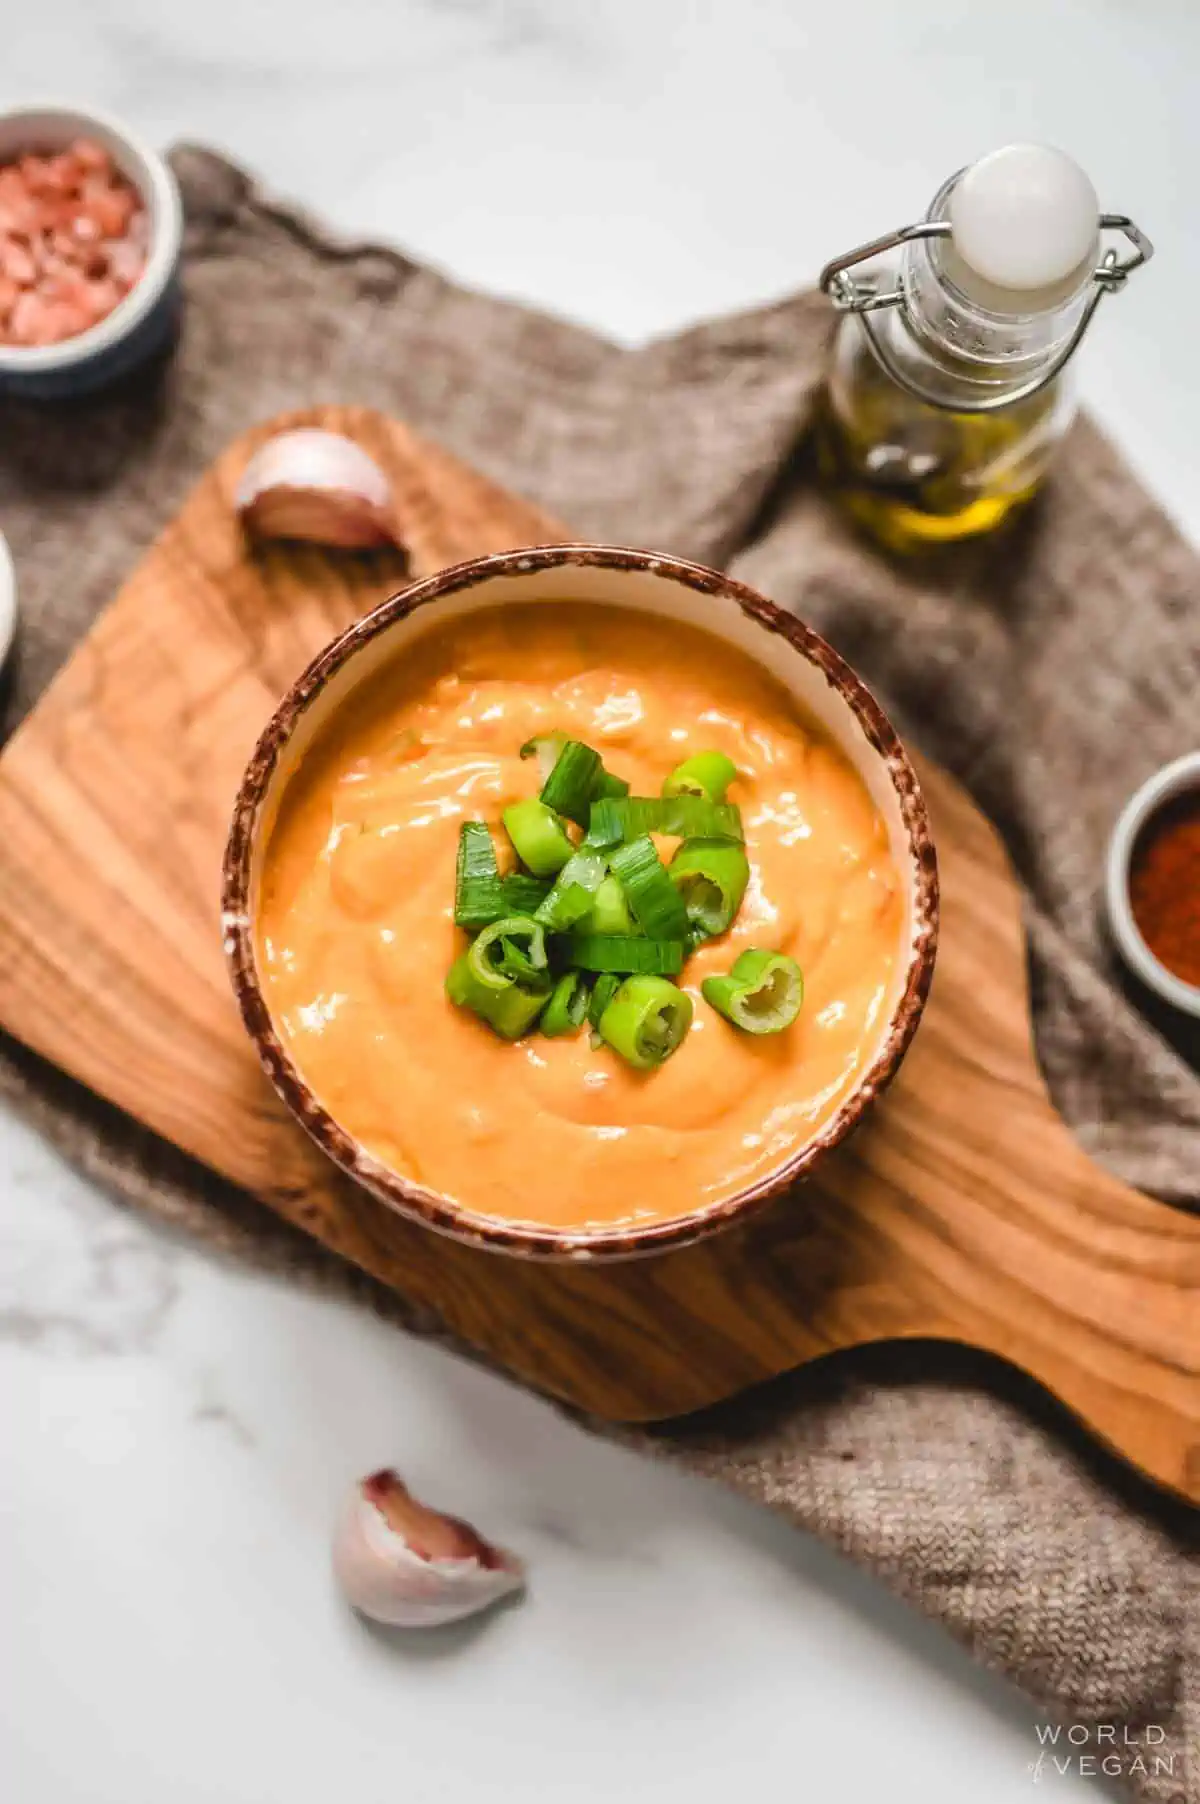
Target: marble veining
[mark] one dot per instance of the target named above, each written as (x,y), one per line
(78,1274)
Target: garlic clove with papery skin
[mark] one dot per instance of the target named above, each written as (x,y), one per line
(402,1563)
(316,485)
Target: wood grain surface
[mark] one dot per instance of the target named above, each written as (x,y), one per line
(963,1210)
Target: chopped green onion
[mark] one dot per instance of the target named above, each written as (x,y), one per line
(618,818)
(707,775)
(476,878)
(567,1009)
(539,836)
(656,903)
(608,785)
(522,895)
(545,747)
(514,949)
(623,952)
(574,890)
(603,991)
(506,1007)
(609,912)
(646,1020)
(710,876)
(568,788)
(476,853)
(761,994)
(622,922)
(503,977)
(490,900)
(481,895)
(479,903)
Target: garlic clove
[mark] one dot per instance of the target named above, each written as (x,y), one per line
(316,485)
(400,1562)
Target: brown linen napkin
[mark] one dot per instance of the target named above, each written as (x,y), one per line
(1049,674)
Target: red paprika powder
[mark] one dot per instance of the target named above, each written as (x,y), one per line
(1164,885)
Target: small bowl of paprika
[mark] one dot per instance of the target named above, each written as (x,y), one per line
(1153,884)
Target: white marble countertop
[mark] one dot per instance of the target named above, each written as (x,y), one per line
(176,1431)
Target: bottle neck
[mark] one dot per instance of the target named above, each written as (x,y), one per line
(967,339)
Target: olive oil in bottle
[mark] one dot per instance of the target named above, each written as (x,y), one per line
(947,390)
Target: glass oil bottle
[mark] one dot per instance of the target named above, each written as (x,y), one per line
(947,391)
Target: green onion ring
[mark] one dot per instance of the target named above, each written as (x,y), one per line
(710,876)
(762,994)
(538,835)
(647,1019)
(506,1005)
(512,950)
(706,774)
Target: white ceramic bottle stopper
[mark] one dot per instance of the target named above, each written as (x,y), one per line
(1024,218)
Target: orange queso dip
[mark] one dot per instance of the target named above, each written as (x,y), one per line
(356,932)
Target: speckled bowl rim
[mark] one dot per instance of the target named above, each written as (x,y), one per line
(532,1239)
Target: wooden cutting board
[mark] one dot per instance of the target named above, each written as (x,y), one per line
(963,1210)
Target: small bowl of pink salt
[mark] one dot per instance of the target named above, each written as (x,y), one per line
(91,227)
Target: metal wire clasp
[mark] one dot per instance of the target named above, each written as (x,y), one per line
(863,296)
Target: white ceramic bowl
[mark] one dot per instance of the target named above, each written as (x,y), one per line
(141,324)
(1172,780)
(8,600)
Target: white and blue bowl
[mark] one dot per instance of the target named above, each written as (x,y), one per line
(143,324)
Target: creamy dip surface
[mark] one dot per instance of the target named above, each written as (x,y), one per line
(356,932)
